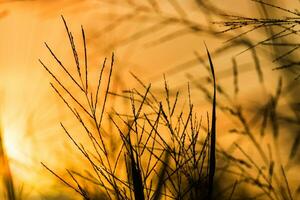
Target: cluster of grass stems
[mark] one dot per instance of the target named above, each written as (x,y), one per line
(160,147)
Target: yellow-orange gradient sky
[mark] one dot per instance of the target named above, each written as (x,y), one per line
(30,111)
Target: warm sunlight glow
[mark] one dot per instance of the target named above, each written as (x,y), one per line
(153,99)
(12,144)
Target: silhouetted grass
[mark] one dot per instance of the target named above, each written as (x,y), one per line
(162,151)
(212,159)
(160,147)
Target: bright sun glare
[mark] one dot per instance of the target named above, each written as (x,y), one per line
(15,147)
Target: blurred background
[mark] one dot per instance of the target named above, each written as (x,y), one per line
(150,39)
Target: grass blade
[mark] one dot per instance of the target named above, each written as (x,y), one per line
(212,158)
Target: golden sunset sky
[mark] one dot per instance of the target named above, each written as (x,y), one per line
(30,111)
